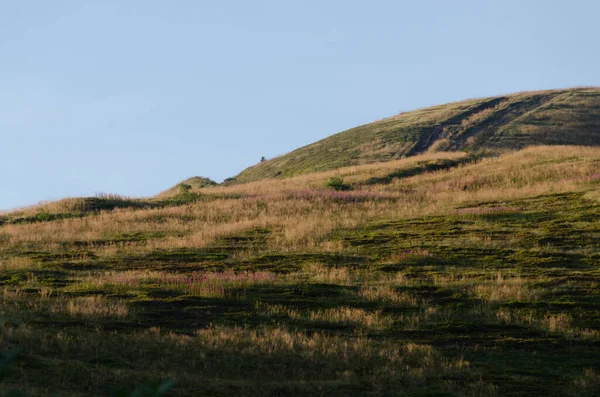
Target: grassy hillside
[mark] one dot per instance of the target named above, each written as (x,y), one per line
(435,275)
(190,190)
(196,183)
(558,117)
(73,207)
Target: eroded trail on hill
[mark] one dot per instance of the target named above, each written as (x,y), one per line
(482,124)
(505,113)
(450,127)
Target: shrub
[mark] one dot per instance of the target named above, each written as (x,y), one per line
(184,188)
(185,194)
(338,183)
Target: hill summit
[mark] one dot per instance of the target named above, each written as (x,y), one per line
(196,183)
(508,122)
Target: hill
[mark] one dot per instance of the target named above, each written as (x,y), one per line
(509,122)
(196,183)
(438,274)
(76,207)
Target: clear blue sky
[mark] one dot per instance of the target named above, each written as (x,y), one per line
(132,96)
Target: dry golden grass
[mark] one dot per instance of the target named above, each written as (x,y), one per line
(387,293)
(588,380)
(92,307)
(339,315)
(320,273)
(14,300)
(412,360)
(352,300)
(440,145)
(66,205)
(414,321)
(560,323)
(505,290)
(399,256)
(304,214)
(303,222)
(333,358)
(497,290)
(301,216)
(206,284)
(352,174)
(17,263)
(593,195)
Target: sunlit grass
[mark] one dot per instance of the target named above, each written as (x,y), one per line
(318,290)
(340,315)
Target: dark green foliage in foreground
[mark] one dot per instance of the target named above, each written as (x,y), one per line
(157,390)
(6,359)
(149,390)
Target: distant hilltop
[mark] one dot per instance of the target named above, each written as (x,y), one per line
(195,183)
(508,122)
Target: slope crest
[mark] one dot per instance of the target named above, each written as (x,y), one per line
(503,123)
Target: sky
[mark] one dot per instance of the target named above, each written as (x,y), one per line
(133,96)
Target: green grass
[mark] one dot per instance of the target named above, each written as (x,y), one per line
(435,276)
(90,206)
(567,117)
(196,183)
(550,242)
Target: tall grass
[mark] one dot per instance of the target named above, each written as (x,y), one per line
(131,293)
(303,221)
